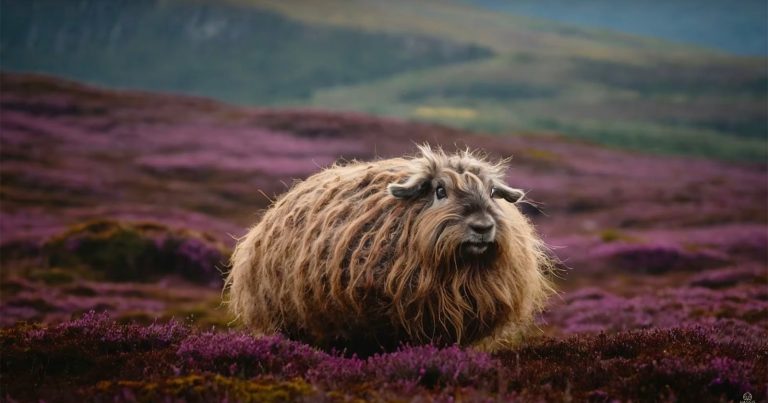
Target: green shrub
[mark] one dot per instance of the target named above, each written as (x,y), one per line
(136,252)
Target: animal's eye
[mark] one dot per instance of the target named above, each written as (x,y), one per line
(493,192)
(440,192)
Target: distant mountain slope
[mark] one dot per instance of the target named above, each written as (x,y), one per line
(714,107)
(612,88)
(235,53)
(460,21)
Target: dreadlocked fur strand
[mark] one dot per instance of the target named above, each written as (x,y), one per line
(364,256)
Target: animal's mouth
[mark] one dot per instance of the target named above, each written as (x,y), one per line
(476,248)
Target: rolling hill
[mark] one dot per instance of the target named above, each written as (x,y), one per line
(235,53)
(435,61)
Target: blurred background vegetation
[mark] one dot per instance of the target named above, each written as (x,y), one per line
(677,77)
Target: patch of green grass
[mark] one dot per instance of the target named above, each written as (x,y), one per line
(613,235)
(505,91)
(701,106)
(666,76)
(660,139)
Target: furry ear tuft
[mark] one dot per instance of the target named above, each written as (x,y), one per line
(415,186)
(507,193)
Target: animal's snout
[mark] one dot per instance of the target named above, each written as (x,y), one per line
(481,224)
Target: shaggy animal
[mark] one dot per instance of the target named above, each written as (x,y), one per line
(368,256)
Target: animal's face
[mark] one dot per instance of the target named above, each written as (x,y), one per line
(463,203)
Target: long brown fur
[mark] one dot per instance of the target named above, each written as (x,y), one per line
(339,261)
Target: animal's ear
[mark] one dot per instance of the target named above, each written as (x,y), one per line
(415,186)
(507,193)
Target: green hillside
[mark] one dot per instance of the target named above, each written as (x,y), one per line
(611,88)
(713,107)
(235,53)
(433,60)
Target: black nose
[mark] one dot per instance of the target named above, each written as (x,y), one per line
(482,226)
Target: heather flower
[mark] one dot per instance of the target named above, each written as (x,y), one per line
(655,258)
(99,326)
(730,276)
(435,367)
(245,355)
(592,310)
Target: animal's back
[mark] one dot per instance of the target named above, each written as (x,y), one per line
(302,268)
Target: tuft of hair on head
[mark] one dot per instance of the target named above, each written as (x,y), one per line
(430,161)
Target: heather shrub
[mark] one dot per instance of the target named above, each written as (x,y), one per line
(643,365)
(336,371)
(411,367)
(114,336)
(246,356)
(136,252)
(654,258)
(731,276)
(19,250)
(731,313)
(96,359)
(435,367)
(88,348)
